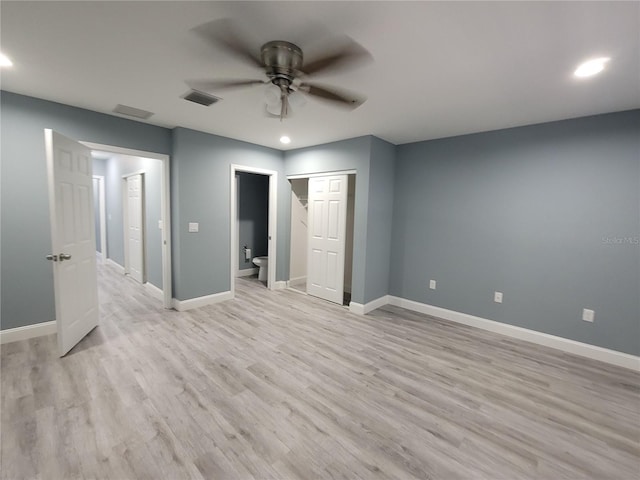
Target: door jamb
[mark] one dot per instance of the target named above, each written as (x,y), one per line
(165,212)
(273,225)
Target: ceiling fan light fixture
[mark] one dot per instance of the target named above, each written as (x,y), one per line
(272,95)
(296,99)
(274,109)
(591,67)
(284,139)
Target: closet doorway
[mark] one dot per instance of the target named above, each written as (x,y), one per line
(322,222)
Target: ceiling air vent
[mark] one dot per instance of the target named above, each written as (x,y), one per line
(132,112)
(201,98)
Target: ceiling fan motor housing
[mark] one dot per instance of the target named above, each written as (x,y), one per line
(282,61)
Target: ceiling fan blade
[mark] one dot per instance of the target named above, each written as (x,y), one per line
(224,33)
(216,85)
(345,53)
(340,97)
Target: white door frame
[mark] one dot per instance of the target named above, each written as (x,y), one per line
(165,212)
(125,224)
(102,212)
(273,225)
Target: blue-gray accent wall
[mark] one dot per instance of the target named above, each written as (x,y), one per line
(353,154)
(379,219)
(253,217)
(547,214)
(373,161)
(26,283)
(200,189)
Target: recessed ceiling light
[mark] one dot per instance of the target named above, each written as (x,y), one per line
(284,139)
(4,61)
(591,67)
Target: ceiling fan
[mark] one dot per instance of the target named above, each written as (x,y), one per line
(285,68)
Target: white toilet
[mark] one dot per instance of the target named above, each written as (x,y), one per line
(263,264)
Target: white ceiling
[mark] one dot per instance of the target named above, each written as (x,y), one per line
(440,68)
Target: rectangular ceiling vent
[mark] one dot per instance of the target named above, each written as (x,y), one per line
(132,112)
(201,98)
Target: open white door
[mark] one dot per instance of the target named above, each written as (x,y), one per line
(327,237)
(134,227)
(73,240)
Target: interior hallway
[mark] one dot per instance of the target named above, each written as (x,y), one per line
(281,385)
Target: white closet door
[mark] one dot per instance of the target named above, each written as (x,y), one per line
(134,264)
(327,237)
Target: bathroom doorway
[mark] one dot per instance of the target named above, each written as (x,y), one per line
(299,264)
(253,224)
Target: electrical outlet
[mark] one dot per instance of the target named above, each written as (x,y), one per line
(588,315)
(160,224)
(497,297)
(194,227)
(432,284)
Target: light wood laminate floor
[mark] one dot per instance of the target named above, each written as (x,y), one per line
(281,385)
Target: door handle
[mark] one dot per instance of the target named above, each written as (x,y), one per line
(53,258)
(64,256)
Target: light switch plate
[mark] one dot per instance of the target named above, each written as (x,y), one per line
(588,315)
(160,224)
(194,227)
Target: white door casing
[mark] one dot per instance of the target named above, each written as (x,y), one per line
(134,227)
(73,242)
(327,237)
(273,222)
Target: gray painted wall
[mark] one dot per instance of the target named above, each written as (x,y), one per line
(353,154)
(530,212)
(548,214)
(200,182)
(373,159)
(379,219)
(253,216)
(117,166)
(26,277)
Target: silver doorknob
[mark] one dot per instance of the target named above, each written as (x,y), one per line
(53,258)
(64,256)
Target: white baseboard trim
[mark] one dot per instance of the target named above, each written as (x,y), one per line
(247,272)
(182,305)
(27,332)
(606,355)
(153,290)
(360,309)
(119,268)
(280,285)
(297,281)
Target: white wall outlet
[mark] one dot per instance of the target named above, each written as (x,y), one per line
(497,297)
(432,284)
(194,227)
(588,315)
(160,224)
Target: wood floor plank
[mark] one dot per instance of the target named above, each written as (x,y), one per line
(278,385)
